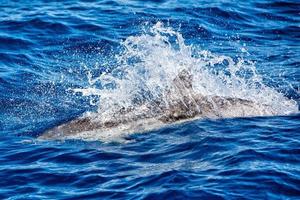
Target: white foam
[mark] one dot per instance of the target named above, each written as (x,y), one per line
(150,61)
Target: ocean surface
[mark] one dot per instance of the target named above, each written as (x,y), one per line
(63,59)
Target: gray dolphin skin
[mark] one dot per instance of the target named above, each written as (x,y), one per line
(181,103)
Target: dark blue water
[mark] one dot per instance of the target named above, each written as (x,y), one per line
(46,48)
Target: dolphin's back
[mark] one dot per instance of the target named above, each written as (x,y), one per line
(179,103)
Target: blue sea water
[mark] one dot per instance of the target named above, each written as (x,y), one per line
(50,48)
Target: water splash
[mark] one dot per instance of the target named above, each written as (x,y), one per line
(149,62)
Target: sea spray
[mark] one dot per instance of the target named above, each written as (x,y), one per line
(148,64)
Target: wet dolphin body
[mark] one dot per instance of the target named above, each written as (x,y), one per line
(180,103)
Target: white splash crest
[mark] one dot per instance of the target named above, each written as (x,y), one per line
(151,61)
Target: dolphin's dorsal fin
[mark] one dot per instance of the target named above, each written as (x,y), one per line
(183,80)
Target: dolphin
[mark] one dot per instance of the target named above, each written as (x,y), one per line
(180,103)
